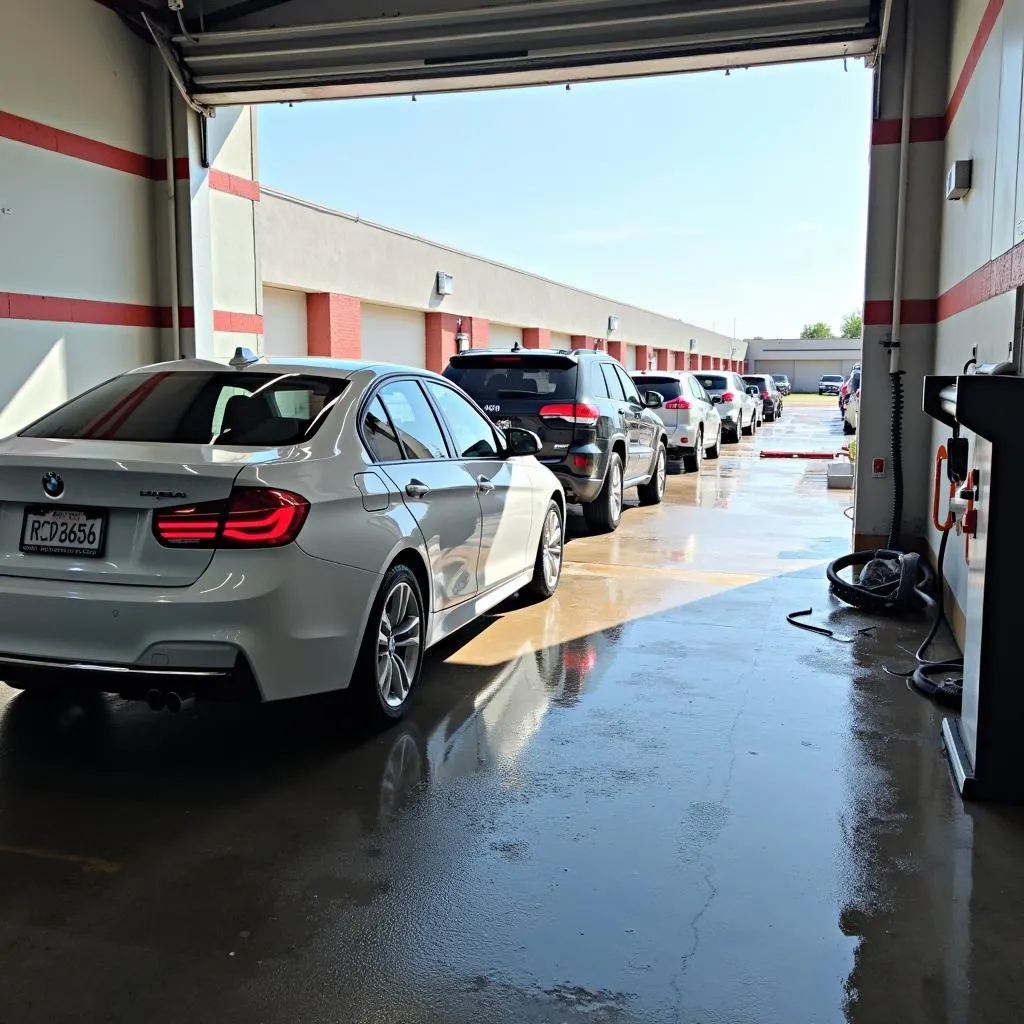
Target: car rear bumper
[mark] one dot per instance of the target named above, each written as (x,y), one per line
(579,490)
(265,625)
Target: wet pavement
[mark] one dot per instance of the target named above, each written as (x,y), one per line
(649,799)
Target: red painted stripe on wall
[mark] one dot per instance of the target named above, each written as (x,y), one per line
(878,312)
(55,309)
(922,129)
(981,38)
(78,147)
(56,140)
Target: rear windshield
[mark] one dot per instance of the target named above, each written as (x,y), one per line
(196,407)
(759,381)
(780,377)
(832,378)
(667,387)
(491,379)
(712,382)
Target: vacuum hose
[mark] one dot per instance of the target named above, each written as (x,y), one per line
(896,459)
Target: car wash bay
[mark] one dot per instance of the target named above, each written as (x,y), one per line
(648,799)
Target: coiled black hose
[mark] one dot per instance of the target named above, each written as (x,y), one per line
(896,459)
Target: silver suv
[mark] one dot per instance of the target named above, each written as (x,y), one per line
(741,412)
(690,416)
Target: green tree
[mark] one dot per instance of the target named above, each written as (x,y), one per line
(852,325)
(818,330)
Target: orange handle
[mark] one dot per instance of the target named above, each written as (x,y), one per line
(940,456)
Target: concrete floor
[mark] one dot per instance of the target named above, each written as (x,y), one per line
(647,800)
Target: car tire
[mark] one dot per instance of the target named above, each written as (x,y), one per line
(769,417)
(652,492)
(604,513)
(716,449)
(692,462)
(749,429)
(547,567)
(384,690)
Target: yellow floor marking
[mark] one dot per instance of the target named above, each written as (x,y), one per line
(107,867)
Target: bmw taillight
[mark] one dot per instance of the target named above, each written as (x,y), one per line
(252,517)
(677,403)
(766,394)
(571,412)
(728,396)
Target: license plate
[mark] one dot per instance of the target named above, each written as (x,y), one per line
(504,424)
(72,532)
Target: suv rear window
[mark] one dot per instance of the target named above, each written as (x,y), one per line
(256,410)
(712,382)
(493,378)
(667,387)
(832,378)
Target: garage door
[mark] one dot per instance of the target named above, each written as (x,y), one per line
(563,341)
(504,336)
(284,322)
(810,371)
(631,357)
(394,335)
(786,366)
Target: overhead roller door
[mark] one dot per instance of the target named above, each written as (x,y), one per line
(503,336)
(631,357)
(786,366)
(810,371)
(251,51)
(394,335)
(563,341)
(284,322)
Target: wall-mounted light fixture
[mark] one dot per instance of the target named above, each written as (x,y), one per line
(693,344)
(958,179)
(613,324)
(445,283)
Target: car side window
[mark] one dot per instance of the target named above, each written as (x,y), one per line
(696,390)
(474,435)
(599,382)
(380,436)
(611,379)
(417,426)
(632,395)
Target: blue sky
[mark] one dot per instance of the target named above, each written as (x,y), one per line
(706,197)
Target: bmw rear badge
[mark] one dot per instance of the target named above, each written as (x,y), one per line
(53,485)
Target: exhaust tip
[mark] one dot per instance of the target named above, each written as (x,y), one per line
(178,702)
(155,700)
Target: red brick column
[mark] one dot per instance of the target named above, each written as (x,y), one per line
(536,337)
(333,326)
(643,357)
(694,361)
(716,362)
(679,360)
(661,354)
(578,341)
(479,330)
(441,329)
(616,350)
(705,362)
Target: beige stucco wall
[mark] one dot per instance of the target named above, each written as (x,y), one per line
(310,247)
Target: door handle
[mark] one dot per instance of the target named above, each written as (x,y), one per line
(416,489)
(483,485)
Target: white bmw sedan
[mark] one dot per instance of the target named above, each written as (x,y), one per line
(263,530)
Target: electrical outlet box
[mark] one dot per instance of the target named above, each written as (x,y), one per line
(958,179)
(878,468)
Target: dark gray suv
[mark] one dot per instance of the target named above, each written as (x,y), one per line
(598,434)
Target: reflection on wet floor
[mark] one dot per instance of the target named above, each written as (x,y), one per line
(646,800)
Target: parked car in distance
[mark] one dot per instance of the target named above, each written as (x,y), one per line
(851,411)
(851,384)
(739,410)
(598,434)
(691,418)
(830,384)
(263,530)
(770,394)
(782,383)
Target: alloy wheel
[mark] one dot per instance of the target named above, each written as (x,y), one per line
(398,644)
(660,470)
(552,547)
(615,483)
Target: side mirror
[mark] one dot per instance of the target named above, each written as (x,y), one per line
(522,442)
(716,399)
(653,400)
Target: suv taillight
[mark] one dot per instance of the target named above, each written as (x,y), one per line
(252,517)
(766,394)
(728,396)
(677,403)
(571,412)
